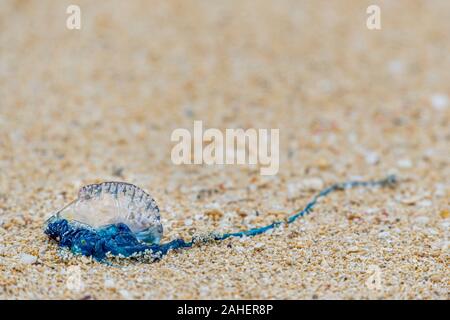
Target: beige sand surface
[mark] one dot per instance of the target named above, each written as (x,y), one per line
(98,104)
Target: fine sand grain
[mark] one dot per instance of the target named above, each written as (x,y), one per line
(100,103)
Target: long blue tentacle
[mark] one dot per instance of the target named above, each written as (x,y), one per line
(388,181)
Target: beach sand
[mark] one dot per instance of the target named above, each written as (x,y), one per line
(100,103)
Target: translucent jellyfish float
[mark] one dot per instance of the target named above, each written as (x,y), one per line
(120,219)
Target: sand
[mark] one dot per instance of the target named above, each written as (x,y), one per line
(98,104)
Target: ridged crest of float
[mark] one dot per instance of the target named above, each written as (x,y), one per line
(116,202)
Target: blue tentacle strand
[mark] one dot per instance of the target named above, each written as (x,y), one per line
(119,240)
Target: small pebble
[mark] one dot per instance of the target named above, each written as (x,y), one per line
(354,249)
(422,220)
(26,258)
(439,101)
(384,235)
(440,190)
(277,208)
(292,190)
(445,225)
(445,214)
(436,277)
(396,67)
(425,203)
(125,294)
(404,163)
(109,283)
(259,245)
(239,249)
(323,164)
(313,184)
(214,214)
(411,200)
(204,290)
(372,158)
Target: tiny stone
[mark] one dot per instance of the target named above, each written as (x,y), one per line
(243,239)
(422,220)
(125,294)
(323,163)
(277,208)
(411,200)
(109,283)
(425,203)
(445,214)
(396,67)
(436,278)
(198,217)
(26,258)
(292,190)
(440,190)
(404,163)
(204,290)
(117,172)
(354,249)
(239,249)
(384,235)
(42,251)
(372,210)
(372,158)
(439,101)
(213,205)
(312,184)
(215,214)
(259,245)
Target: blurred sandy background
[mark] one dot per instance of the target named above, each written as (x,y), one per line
(100,103)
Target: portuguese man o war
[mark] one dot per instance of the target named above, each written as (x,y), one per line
(118,219)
